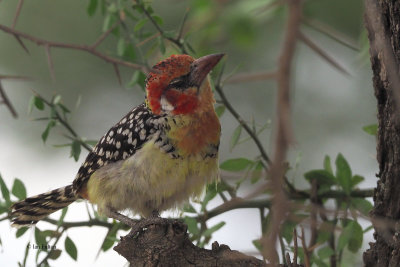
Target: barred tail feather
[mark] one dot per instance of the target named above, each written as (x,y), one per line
(29,211)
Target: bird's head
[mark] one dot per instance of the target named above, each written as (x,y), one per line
(179,84)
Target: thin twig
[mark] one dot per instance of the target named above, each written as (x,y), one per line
(15,77)
(19,6)
(86,48)
(104,35)
(252,77)
(305,249)
(54,245)
(50,62)
(284,134)
(307,41)
(331,33)
(7,102)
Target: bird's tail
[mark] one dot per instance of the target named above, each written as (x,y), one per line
(29,211)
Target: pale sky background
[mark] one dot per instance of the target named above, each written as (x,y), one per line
(329,110)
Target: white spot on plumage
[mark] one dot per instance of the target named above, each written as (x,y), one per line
(101,152)
(118,145)
(125,132)
(165,105)
(131,116)
(123,120)
(111,133)
(125,155)
(100,162)
(130,140)
(108,154)
(116,153)
(131,125)
(134,142)
(119,130)
(142,134)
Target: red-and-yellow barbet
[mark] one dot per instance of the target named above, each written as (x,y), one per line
(155,158)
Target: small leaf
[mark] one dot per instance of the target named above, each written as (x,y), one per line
(39,104)
(40,237)
(327,164)
(140,24)
(75,149)
(361,204)
(343,173)
(63,213)
(220,110)
(356,180)
(256,173)
(129,52)
(91,9)
(235,136)
(31,104)
(211,192)
(257,244)
(237,164)
(323,177)
(5,192)
(161,45)
(18,189)
(110,238)
(54,254)
(371,129)
(189,208)
(71,248)
(325,252)
(351,236)
(192,225)
(21,231)
(158,19)
(210,231)
(121,47)
(46,132)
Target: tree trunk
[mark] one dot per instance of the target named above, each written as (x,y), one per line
(382,19)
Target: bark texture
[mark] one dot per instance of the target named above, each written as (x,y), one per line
(167,244)
(382,19)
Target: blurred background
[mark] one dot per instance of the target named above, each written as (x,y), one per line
(329,108)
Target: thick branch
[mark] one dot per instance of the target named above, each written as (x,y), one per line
(168,243)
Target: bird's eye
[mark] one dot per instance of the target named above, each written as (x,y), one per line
(179,83)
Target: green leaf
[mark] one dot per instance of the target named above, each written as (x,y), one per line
(129,52)
(327,164)
(356,180)
(158,19)
(343,173)
(257,244)
(46,132)
(54,254)
(192,225)
(220,109)
(237,164)
(91,9)
(235,136)
(322,176)
(18,189)
(63,213)
(325,252)
(287,230)
(39,104)
(110,238)
(161,45)
(211,192)
(75,149)
(351,236)
(256,173)
(21,231)
(140,24)
(371,129)
(121,47)
(5,192)
(40,237)
(3,208)
(71,248)
(361,204)
(189,208)
(210,231)
(31,104)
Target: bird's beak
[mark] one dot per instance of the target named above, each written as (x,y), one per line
(201,67)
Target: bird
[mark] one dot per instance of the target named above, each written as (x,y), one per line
(157,157)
